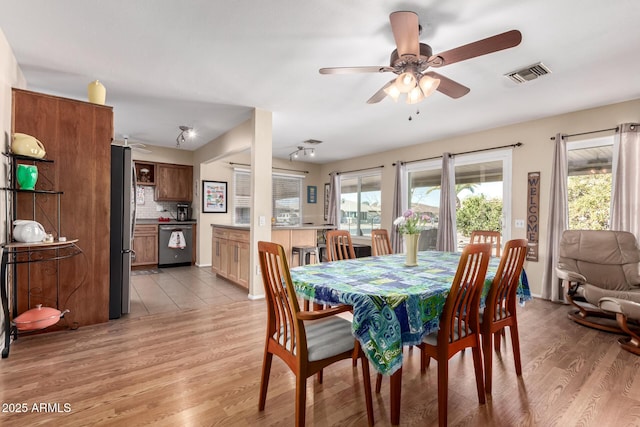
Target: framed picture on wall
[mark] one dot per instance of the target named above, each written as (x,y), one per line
(312,194)
(214,197)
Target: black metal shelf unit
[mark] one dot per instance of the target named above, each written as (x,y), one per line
(14,253)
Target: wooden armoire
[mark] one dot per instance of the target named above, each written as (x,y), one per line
(77,137)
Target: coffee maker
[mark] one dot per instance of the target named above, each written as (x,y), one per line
(184,212)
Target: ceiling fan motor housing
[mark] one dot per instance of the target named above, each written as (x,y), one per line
(399,63)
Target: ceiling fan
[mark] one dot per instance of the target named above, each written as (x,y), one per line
(411,60)
(135,146)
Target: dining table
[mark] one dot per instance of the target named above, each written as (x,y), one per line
(394,305)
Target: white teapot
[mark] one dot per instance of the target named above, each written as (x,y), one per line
(28,231)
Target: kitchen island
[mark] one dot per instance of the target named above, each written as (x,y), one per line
(230,247)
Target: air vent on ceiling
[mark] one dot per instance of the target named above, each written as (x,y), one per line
(312,142)
(529,73)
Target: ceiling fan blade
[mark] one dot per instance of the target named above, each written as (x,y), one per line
(141,150)
(478,48)
(379,95)
(405,27)
(353,70)
(449,87)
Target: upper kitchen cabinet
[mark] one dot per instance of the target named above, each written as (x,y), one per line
(145,173)
(174,183)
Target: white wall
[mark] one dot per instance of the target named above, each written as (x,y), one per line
(10,76)
(534,156)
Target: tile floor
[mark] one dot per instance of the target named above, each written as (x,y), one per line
(181,288)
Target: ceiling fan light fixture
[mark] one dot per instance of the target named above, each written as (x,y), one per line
(415,96)
(392,91)
(405,82)
(428,85)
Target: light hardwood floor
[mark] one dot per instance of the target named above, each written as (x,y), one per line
(201,367)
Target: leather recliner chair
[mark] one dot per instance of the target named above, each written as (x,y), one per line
(596,264)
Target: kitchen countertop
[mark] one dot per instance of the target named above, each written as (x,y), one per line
(140,221)
(280,227)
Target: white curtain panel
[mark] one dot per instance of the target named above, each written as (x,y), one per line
(558,221)
(399,204)
(446,239)
(334,198)
(625,197)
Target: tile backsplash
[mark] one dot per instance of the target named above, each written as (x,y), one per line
(147,208)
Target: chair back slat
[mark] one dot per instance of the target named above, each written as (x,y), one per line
(486,236)
(339,245)
(282,304)
(380,243)
(460,315)
(502,297)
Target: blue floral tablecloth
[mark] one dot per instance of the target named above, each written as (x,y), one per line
(393,305)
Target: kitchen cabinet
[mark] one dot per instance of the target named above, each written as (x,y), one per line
(78,136)
(230,255)
(145,173)
(174,182)
(290,237)
(145,245)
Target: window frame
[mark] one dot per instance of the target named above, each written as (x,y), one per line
(360,176)
(247,172)
(599,141)
(504,155)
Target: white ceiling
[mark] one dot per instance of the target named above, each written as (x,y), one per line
(207,63)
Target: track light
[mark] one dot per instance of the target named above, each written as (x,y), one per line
(304,150)
(185,132)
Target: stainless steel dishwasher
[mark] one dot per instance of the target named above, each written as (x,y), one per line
(175,256)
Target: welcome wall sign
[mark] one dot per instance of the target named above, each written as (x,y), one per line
(533,214)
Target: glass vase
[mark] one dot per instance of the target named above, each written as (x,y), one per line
(411,249)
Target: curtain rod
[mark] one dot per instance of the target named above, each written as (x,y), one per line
(282,169)
(517,144)
(360,170)
(553,138)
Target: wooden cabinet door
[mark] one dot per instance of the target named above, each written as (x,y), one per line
(145,245)
(234,261)
(215,255)
(173,182)
(224,258)
(244,265)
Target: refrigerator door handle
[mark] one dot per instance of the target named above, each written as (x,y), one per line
(135,198)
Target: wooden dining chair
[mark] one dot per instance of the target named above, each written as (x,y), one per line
(500,307)
(307,341)
(459,324)
(339,245)
(380,243)
(485,236)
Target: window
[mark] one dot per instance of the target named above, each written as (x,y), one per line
(423,182)
(360,205)
(482,194)
(242,198)
(286,201)
(589,183)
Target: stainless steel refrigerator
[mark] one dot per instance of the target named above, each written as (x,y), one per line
(123,214)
